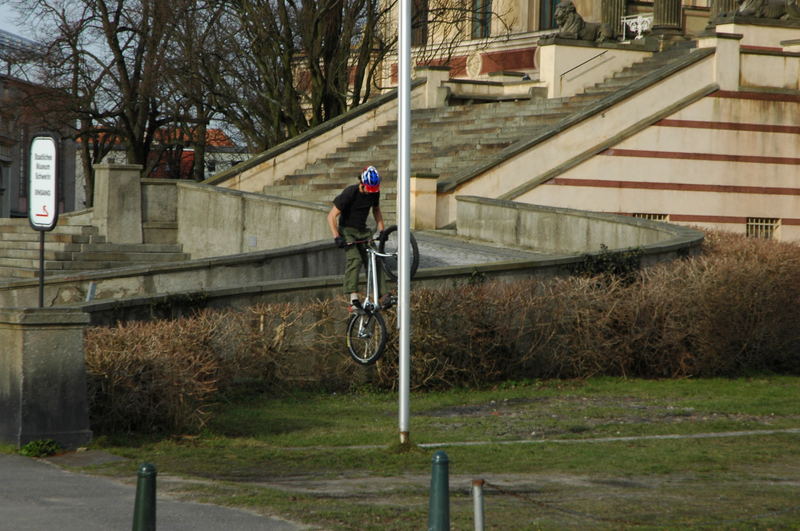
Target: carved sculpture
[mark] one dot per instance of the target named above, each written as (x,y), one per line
(774,9)
(572,26)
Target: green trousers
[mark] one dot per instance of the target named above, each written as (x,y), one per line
(356,258)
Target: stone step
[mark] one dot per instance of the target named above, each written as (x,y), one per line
(48,237)
(92,256)
(445,141)
(31,245)
(18,225)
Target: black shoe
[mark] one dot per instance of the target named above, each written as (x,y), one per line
(387,301)
(355,306)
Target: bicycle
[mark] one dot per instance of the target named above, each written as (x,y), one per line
(366,328)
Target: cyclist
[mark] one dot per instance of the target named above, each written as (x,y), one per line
(347,220)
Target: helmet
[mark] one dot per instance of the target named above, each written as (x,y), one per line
(371,179)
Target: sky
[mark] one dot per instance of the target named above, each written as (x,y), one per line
(8,17)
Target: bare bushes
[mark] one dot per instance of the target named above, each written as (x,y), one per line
(733,310)
(163,375)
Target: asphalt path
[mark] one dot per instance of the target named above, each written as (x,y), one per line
(439,249)
(37,495)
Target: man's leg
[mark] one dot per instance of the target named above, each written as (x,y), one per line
(354,259)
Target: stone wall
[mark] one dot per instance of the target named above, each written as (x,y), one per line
(43,377)
(565,231)
(214,221)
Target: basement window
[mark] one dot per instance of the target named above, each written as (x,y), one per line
(763,227)
(651,216)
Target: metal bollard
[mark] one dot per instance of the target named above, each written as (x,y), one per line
(439,509)
(144,510)
(477,503)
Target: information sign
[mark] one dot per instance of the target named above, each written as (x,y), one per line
(42,183)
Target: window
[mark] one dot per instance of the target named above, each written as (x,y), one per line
(547,14)
(763,227)
(651,217)
(481,18)
(419,22)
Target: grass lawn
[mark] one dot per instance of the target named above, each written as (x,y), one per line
(555,454)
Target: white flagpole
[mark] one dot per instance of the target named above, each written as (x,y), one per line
(403,189)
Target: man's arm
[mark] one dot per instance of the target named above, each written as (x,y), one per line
(333,221)
(378,215)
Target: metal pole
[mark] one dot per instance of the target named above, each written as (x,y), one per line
(41,269)
(144,510)
(439,502)
(477,503)
(403,189)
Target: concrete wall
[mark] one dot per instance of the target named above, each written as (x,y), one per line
(213,221)
(307,260)
(43,377)
(564,231)
(727,157)
(529,163)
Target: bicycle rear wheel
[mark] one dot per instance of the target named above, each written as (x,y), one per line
(389,244)
(366,337)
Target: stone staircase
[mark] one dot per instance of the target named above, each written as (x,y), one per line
(449,140)
(71,247)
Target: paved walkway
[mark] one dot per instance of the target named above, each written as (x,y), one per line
(36,495)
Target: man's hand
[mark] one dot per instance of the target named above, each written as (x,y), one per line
(340,242)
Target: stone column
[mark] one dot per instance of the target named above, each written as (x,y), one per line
(435,94)
(423,201)
(43,377)
(118,202)
(667,17)
(612,13)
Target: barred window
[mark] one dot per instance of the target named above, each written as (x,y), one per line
(481,18)
(651,216)
(763,227)
(419,22)
(547,14)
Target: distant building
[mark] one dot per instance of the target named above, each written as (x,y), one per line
(17,128)
(172,156)
(18,124)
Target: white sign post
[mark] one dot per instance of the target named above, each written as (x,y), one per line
(43,169)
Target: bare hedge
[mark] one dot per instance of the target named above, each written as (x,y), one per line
(733,310)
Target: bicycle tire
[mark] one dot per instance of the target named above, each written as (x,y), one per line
(388,244)
(366,337)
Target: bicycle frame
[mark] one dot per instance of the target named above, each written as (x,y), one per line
(372,296)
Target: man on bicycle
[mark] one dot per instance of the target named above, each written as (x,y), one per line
(348,222)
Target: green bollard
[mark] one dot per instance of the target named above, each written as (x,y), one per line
(439,511)
(144,511)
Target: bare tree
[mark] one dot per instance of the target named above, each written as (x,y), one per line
(280,66)
(109,58)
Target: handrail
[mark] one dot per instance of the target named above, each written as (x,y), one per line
(583,63)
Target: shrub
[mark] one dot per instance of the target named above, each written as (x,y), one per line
(733,310)
(40,448)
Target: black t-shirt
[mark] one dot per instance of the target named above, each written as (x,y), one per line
(355,206)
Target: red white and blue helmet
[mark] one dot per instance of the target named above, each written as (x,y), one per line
(371,179)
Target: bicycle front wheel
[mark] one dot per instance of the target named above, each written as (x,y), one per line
(389,244)
(366,337)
